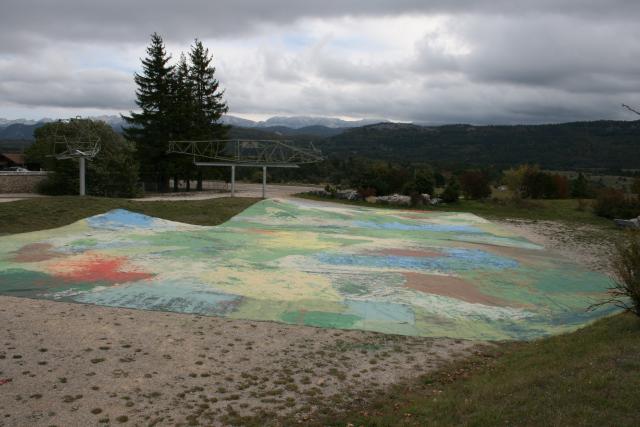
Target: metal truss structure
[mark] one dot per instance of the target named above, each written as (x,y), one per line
(255,152)
(248,153)
(76,138)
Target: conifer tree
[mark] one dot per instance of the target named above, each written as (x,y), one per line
(150,128)
(209,105)
(181,119)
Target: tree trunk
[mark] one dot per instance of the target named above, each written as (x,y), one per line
(199,186)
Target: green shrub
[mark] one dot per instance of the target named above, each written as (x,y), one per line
(614,203)
(625,292)
(451,193)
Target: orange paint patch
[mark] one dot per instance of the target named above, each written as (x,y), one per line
(260,231)
(35,252)
(99,269)
(449,286)
(408,252)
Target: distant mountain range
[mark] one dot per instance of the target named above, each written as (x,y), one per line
(298,122)
(578,145)
(284,126)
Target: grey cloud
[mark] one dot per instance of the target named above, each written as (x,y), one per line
(528,61)
(132,21)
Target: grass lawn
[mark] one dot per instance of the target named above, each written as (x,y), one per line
(566,210)
(588,377)
(51,212)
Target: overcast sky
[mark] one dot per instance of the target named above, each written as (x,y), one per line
(445,61)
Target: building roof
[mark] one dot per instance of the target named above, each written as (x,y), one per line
(16,158)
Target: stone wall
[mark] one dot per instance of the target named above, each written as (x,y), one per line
(20,182)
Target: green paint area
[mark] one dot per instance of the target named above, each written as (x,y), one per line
(314,264)
(320,319)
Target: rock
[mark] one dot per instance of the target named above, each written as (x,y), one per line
(321,193)
(435,201)
(394,199)
(628,223)
(348,195)
(371,199)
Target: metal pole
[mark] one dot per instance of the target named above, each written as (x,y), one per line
(233,181)
(264,182)
(82,185)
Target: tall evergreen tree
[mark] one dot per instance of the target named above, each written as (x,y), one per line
(151,128)
(208,99)
(209,103)
(182,119)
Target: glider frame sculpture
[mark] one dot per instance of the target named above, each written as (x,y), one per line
(248,153)
(79,141)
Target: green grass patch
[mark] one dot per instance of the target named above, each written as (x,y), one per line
(51,212)
(566,210)
(588,377)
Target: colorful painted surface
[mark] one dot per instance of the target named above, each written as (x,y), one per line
(393,271)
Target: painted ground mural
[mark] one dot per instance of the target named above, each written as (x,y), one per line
(393,271)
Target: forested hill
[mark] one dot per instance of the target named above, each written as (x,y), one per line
(598,144)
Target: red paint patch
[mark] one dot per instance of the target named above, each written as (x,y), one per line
(99,269)
(34,252)
(452,287)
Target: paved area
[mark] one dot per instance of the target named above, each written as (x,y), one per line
(12,197)
(242,190)
(221,190)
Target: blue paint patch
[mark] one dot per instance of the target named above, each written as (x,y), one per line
(165,296)
(399,226)
(121,219)
(381,311)
(454,260)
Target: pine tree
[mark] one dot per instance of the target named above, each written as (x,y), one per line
(209,105)
(151,128)
(181,119)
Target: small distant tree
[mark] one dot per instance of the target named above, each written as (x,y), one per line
(625,290)
(451,193)
(580,187)
(424,182)
(560,185)
(635,187)
(439,180)
(514,180)
(475,184)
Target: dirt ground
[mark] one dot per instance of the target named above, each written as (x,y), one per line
(582,243)
(79,365)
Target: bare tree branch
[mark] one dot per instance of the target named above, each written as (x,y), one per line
(631,109)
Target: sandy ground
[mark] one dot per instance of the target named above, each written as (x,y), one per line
(242,189)
(79,365)
(12,197)
(584,244)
